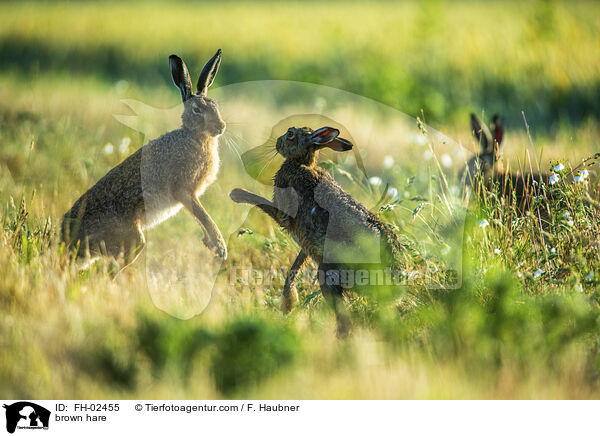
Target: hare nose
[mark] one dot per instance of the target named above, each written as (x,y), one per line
(219,126)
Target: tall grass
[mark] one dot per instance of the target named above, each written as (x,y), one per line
(508,332)
(524,324)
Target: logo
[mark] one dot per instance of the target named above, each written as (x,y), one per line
(26,415)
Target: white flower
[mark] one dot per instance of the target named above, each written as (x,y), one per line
(124,144)
(418,138)
(483,224)
(375,181)
(320,104)
(578,287)
(393,192)
(538,273)
(559,167)
(581,176)
(121,86)
(553,250)
(427,155)
(413,275)
(497,251)
(553,179)
(108,148)
(519,274)
(566,215)
(446,160)
(388,162)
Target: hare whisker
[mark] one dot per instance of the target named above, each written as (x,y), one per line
(268,163)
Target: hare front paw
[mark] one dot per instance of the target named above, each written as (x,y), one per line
(217,245)
(239,195)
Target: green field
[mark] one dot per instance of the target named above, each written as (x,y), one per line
(508,332)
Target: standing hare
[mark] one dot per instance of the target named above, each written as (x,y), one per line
(156,181)
(483,173)
(331,227)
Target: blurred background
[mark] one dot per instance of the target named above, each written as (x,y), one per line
(446,58)
(65,68)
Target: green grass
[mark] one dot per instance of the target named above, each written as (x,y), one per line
(445,58)
(506,333)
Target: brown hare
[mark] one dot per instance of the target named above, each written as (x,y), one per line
(331,227)
(155,182)
(483,173)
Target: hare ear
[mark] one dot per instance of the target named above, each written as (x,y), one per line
(324,135)
(181,77)
(339,144)
(481,133)
(498,128)
(328,137)
(209,72)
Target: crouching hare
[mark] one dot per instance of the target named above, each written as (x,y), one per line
(332,228)
(155,182)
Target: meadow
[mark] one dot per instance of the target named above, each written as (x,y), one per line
(525,320)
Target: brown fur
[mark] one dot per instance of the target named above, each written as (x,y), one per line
(155,182)
(315,210)
(484,175)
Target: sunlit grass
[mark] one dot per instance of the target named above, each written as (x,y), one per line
(523,325)
(88,330)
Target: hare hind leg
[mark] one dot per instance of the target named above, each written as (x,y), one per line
(289,296)
(132,246)
(135,245)
(333,293)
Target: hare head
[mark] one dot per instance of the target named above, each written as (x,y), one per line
(302,143)
(485,163)
(200,113)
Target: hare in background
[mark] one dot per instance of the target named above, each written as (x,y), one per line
(155,182)
(321,216)
(483,173)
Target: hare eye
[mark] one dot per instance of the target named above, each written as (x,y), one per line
(195,110)
(290,134)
